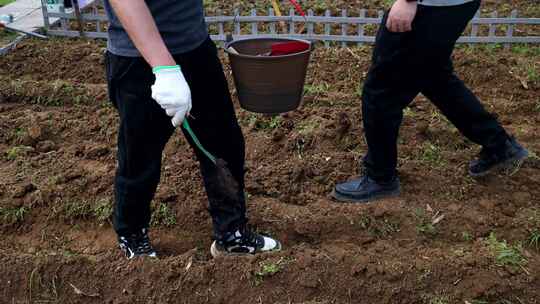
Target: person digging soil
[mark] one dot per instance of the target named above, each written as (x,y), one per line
(412,55)
(160,58)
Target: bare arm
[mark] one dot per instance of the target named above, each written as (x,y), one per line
(141,28)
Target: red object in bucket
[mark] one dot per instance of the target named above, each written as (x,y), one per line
(298,8)
(287,48)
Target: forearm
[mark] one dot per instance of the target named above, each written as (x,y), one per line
(141,28)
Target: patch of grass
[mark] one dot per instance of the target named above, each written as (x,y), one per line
(466,236)
(431,154)
(269,269)
(424,223)
(308,127)
(316,89)
(15,152)
(534,239)
(162,215)
(504,253)
(13,215)
(76,210)
(435,299)
(525,50)
(379,228)
(259,122)
(102,210)
(5,2)
(532,74)
(478,302)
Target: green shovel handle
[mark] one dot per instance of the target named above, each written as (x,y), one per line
(186,126)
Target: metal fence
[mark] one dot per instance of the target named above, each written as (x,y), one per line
(345,29)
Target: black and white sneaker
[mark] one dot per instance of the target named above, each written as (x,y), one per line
(137,244)
(244,242)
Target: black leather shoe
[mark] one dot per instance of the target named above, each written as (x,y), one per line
(507,161)
(365,189)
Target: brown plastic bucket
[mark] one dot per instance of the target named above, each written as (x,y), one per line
(268,84)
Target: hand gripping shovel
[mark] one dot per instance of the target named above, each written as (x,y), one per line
(226,182)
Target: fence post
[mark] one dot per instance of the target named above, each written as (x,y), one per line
(492,26)
(327,28)
(221,29)
(63,22)
(474,26)
(95,11)
(45,15)
(510,29)
(254,26)
(310,27)
(236,22)
(272,24)
(291,24)
(344,28)
(361,26)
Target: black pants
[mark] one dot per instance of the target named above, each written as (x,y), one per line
(145,129)
(419,61)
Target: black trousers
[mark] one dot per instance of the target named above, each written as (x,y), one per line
(419,61)
(145,129)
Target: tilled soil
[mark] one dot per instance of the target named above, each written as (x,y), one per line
(448,239)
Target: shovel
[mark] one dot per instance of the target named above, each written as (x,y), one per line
(227,183)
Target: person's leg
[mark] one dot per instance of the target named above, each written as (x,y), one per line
(390,86)
(441,28)
(143,132)
(214,122)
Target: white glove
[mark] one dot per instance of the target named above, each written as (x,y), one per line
(172,92)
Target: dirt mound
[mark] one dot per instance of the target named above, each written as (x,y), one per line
(447,239)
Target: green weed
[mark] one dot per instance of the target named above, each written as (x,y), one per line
(269,268)
(13,215)
(504,253)
(15,152)
(162,215)
(431,154)
(466,236)
(379,228)
(102,210)
(534,239)
(434,299)
(316,89)
(424,223)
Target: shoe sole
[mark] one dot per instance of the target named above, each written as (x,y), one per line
(218,253)
(347,199)
(509,167)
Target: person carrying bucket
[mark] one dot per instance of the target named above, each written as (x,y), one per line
(162,67)
(412,55)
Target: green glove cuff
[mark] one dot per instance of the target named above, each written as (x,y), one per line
(165,67)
